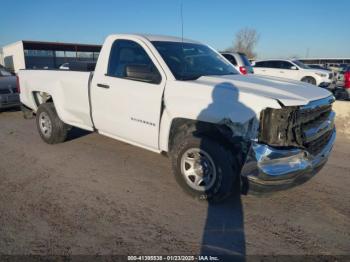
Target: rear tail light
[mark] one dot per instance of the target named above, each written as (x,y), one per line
(18,88)
(347,79)
(243,70)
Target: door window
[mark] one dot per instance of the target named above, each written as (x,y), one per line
(267,64)
(285,65)
(273,64)
(130,61)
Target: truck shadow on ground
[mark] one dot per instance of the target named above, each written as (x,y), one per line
(224,229)
(223,233)
(76,133)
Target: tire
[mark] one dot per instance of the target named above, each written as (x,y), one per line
(50,127)
(27,113)
(309,80)
(214,160)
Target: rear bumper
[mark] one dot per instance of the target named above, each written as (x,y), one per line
(9,100)
(269,169)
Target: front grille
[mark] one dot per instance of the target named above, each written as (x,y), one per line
(330,76)
(4,91)
(304,127)
(316,126)
(316,146)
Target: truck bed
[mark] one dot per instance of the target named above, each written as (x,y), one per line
(70,90)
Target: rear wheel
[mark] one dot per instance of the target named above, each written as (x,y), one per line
(203,167)
(51,129)
(309,80)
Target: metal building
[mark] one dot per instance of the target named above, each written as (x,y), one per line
(46,55)
(325,61)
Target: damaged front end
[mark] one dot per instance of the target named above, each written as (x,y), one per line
(279,127)
(246,131)
(292,144)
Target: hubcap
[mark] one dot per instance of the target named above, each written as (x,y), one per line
(198,169)
(45,124)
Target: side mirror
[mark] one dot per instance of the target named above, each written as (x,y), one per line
(143,73)
(293,68)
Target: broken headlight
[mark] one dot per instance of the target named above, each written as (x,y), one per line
(278,127)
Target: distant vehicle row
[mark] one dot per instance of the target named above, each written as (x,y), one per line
(289,69)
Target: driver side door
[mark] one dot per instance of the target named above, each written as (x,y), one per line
(126,103)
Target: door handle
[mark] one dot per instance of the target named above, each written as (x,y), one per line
(103,86)
(281,71)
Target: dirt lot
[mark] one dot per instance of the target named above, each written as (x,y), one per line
(94,195)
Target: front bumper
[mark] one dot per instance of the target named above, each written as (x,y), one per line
(269,169)
(9,100)
(328,85)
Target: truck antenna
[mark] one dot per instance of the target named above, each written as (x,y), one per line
(182,22)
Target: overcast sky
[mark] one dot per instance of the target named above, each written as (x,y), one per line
(287,28)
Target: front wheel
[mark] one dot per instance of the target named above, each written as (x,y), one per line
(51,128)
(203,168)
(309,80)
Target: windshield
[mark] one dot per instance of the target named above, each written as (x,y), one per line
(4,73)
(189,61)
(300,64)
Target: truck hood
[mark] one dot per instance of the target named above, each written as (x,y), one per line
(288,92)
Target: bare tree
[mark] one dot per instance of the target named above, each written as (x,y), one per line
(245,41)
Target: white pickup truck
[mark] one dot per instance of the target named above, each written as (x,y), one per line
(183,98)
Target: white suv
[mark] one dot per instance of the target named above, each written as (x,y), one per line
(295,70)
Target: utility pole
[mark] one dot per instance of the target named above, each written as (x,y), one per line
(307,52)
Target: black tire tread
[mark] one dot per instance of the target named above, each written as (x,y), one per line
(187,135)
(309,77)
(59,128)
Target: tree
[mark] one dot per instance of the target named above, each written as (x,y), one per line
(245,41)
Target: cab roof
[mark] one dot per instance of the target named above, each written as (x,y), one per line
(162,38)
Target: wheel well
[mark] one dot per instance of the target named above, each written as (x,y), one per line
(308,77)
(41,98)
(218,132)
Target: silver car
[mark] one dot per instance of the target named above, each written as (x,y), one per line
(9,96)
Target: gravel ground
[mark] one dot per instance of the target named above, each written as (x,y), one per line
(95,195)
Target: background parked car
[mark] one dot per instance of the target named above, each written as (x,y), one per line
(334,67)
(9,96)
(295,70)
(64,66)
(240,61)
(318,67)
